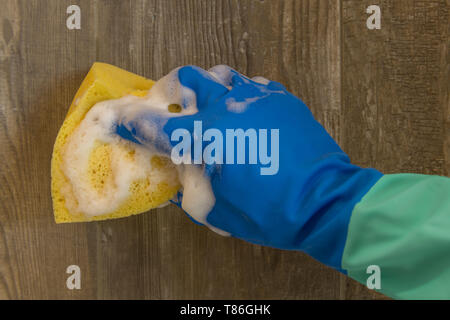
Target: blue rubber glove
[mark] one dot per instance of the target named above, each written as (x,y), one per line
(304,200)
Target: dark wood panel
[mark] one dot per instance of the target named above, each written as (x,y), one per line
(161,254)
(41,66)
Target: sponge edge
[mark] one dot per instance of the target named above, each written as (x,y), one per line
(104,82)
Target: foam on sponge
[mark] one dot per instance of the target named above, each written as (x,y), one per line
(96,176)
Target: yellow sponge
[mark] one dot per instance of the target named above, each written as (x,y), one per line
(104,82)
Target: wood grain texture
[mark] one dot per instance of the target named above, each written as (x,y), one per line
(381,94)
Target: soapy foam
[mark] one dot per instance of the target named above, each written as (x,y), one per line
(98,126)
(96,129)
(239,106)
(164,92)
(222,75)
(261,80)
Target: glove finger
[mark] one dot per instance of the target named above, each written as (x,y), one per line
(271,85)
(228,76)
(206,88)
(276,86)
(261,80)
(192,219)
(146,122)
(145,128)
(177,200)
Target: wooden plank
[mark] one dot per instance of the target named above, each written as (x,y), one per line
(395,89)
(41,65)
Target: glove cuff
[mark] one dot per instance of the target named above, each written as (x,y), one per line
(325,206)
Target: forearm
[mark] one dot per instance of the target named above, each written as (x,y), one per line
(402,225)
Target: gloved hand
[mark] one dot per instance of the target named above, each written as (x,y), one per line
(302,199)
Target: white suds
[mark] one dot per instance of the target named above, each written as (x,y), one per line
(261,80)
(222,74)
(99,125)
(95,129)
(239,106)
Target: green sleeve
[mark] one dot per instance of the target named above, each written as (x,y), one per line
(402,225)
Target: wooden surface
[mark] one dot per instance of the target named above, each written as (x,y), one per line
(382,94)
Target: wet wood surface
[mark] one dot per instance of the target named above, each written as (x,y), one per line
(382,94)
